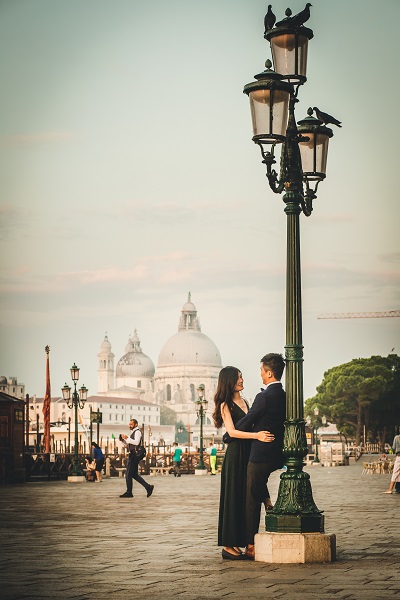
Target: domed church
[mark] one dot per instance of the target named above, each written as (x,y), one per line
(187,360)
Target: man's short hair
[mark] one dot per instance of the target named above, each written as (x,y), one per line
(275,363)
(135,422)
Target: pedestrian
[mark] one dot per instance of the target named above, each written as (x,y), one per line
(176,459)
(230,407)
(98,457)
(212,451)
(132,442)
(396,467)
(268,412)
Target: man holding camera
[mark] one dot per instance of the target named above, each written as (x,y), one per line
(132,465)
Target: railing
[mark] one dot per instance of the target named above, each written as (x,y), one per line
(59,466)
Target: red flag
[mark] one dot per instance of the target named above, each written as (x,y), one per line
(46,405)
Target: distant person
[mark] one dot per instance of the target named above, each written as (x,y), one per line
(268,412)
(132,465)
(212,451)
(176,459)
(90,470)
(230,407)
(396,467)
(98,457)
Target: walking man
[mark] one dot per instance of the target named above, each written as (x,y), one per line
(132,465)
(268,413)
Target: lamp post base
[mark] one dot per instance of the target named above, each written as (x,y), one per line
(76,478)
(295,547)
(200,471)
(311,523)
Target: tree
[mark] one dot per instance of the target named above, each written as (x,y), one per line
(363,392)
(167,416)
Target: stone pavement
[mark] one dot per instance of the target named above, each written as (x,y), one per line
(81,541)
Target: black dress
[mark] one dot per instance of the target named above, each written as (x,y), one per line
(231,524)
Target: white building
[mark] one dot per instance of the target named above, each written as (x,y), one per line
(12,387)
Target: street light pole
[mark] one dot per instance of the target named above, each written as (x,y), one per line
(201,409)
(302,162)
(77,400)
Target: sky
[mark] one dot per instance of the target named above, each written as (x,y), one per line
(128,178)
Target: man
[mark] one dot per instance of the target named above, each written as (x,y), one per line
(132,465)
(176,459)
(268,413)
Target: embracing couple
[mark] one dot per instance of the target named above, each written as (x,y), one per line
(254,438)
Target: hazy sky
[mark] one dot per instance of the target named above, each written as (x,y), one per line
(128,177)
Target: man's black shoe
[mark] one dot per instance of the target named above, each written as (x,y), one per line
(150,490)
(126,495)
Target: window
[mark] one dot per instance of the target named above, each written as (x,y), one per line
(168,392)
(192,395)
(139,384)
(109,417)
(110,406)
(18,415)
(116,417)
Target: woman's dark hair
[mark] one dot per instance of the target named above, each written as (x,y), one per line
(227,380)
(95,445)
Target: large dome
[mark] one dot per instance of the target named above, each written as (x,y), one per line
(189,346)
(135,363)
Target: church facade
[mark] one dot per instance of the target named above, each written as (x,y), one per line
(188,359)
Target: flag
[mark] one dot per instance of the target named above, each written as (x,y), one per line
(46,405)
(113,436)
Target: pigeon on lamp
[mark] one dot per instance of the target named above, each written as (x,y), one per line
(297,20)
(269,19)
(325,118)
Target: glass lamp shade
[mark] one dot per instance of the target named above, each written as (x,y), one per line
(314,149)
(66,392)
(308,420)
(269,104)
(74,372)
(83,392)
(205,404)
(316,411)
(289,48)
(200,391)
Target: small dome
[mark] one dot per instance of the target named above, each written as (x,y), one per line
(105,345)
(3,379)
(134,363)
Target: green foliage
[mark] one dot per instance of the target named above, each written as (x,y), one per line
(167,416)
(363,392)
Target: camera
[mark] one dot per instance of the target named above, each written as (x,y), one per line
(121,439)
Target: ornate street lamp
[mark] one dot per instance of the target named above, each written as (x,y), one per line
(77,400)
(303,156)
(314,424)
(201,409)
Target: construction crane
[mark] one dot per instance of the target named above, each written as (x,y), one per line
(361,315)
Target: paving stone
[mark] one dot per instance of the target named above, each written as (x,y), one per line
(85,543)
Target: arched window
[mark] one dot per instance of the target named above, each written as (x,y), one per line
(168,392)
(192,392)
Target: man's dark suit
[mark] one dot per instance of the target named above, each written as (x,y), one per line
(267,413)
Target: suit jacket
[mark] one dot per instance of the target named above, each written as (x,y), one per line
(267,413)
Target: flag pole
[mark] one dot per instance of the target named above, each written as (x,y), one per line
(46,405)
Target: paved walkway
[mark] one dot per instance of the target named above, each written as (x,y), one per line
(81,541)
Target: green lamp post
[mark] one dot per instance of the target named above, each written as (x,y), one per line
(201,409)
(314,424)
(77,400)
(303,154)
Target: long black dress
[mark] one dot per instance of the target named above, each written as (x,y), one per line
(231,524)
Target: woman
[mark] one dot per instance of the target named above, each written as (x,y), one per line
(99,458)
(396,467)
(230,407)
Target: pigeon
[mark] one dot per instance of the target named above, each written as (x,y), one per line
(296,20)
(325,118)
(269,19)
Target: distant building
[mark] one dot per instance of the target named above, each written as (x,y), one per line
(12,387)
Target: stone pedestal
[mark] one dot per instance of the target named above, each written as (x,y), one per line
(295,547)
(200,471)
(76,478)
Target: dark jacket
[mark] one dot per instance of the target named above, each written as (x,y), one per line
(267,413)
